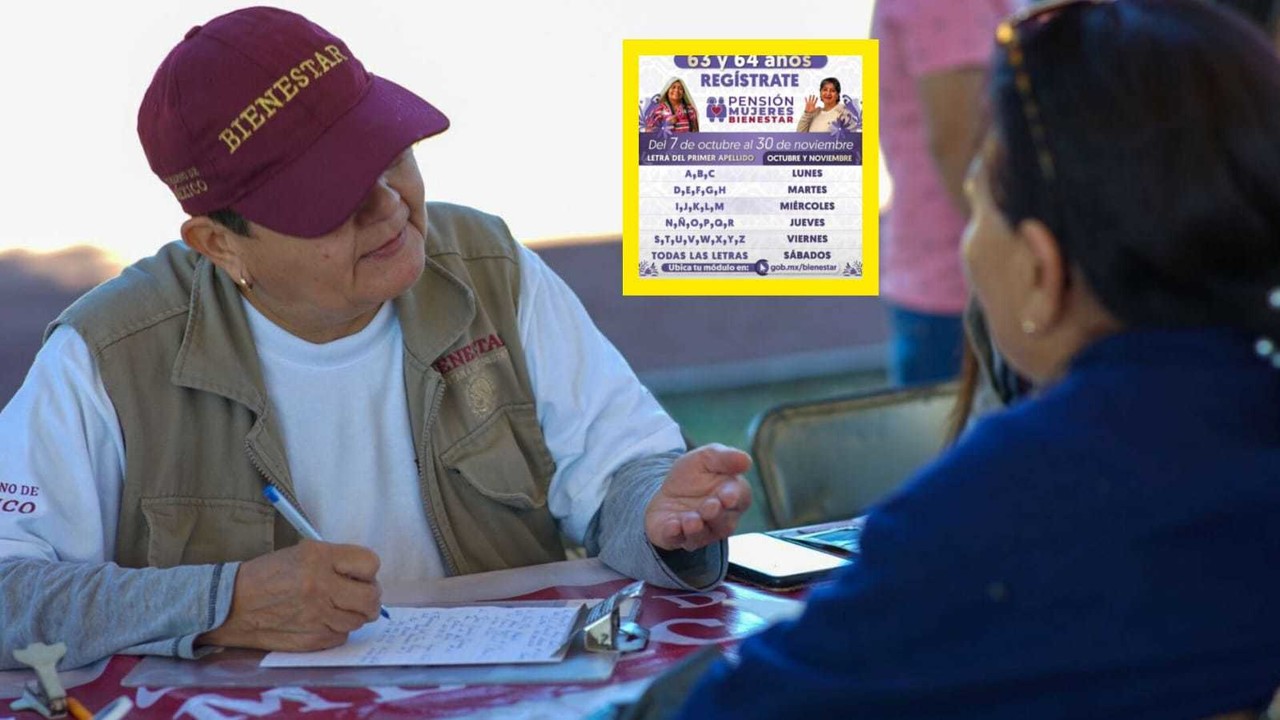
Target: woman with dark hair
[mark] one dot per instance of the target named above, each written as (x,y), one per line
(823,110)
(674,107)
(987,383)
(1106,548)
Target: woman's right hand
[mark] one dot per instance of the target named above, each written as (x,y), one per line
(811,104)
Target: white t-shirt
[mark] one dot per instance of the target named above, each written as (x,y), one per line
(62,452)
(344,472)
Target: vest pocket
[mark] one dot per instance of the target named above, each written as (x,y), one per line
(198,531)
(505,459)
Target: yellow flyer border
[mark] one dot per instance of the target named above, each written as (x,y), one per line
(868,284)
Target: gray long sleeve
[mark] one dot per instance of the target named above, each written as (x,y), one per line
(100,609)
(618,536)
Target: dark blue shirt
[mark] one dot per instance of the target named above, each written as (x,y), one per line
(1110,549)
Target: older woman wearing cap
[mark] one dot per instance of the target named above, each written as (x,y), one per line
(1107,548)
(417,383)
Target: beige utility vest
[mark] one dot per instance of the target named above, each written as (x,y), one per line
(173,347)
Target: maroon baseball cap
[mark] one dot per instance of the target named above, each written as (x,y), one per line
(264,112)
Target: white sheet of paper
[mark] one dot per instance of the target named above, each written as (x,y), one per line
(471,635)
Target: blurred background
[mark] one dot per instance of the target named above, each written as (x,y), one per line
(533,92)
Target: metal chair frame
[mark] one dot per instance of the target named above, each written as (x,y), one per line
(832,459)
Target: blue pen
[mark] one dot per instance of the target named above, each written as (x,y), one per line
(298,522)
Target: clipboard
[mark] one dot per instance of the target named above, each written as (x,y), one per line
(606,630)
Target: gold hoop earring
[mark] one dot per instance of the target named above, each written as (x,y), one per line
(1029,326)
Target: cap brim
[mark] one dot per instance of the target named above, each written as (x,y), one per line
(324,185)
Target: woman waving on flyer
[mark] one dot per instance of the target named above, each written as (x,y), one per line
(819,118)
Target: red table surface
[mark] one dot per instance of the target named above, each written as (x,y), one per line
(679,622)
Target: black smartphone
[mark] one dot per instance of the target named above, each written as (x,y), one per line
(842,541)
(764,560)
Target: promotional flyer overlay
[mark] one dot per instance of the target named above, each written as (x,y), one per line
(750,167)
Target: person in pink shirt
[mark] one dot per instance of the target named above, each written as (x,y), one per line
(933,57)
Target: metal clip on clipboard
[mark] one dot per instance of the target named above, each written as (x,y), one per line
(611,625)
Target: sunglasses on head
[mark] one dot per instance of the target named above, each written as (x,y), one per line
(1008,37)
